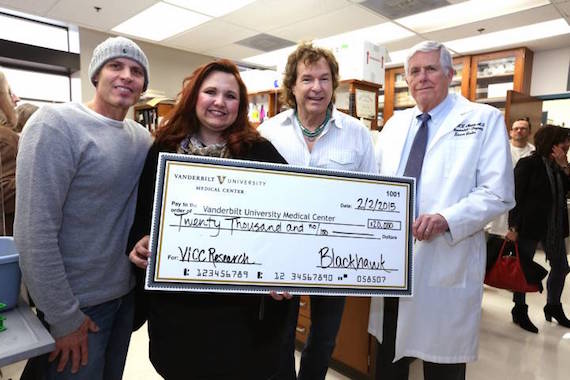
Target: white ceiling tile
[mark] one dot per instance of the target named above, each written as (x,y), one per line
(565,8)
(536,45)
(232,51)
(531,16)
(211,35)
(112,12)
(465,12)
(549,43)
(403,44)
(340,21)
(39,8)
(266,15)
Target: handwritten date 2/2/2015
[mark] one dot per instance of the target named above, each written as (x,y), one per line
(370,204)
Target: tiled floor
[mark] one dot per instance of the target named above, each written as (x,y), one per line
(506,352)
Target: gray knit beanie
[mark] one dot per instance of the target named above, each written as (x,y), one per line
(117,47)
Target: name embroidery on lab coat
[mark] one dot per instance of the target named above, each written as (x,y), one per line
(468,129)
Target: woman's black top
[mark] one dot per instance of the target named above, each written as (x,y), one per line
(533,198)
(208,335)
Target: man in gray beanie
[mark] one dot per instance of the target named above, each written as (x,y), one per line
(77,173)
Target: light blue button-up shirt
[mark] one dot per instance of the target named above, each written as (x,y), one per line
(437,117)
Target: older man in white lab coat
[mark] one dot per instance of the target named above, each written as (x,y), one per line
(464,180)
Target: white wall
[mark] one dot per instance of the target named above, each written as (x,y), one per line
(550,72)
(168,67)
(558,111)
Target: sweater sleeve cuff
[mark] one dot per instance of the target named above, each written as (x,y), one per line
(68,325)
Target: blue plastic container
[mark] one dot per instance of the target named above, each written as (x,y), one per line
(9,272)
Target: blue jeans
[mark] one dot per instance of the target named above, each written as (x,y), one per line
(107,348)
(326,315)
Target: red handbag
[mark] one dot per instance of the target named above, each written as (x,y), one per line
(507,273)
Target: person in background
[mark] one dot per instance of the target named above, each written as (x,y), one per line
(8,151)
(520,147)
(499,227)
(77,173)
(208,335)
(458,153)
(8,102)
(520,133)
(541,215)
(24,111)
(313,133)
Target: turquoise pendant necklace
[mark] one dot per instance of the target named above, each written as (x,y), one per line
(312,135)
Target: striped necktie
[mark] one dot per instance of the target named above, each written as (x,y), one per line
(416,157)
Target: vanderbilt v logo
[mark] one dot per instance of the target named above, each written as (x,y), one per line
(221,179)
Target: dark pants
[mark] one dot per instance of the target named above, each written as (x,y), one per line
(215,336)
(385,352)
(326,315)
(556,276)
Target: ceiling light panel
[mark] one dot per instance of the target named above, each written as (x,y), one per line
(465,13)
(276,58)
(160,22)
(214,8)
(377,34)
(510,36)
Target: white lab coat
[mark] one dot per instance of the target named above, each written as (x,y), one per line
(467,177)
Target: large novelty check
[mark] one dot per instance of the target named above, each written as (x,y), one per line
(237,226)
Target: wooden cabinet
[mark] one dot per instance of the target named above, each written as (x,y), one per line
(397,95)
(263,105)
(522,106)
(150,114)
(304,320)
(353,354)
(360,100)
(460,81)
(493,74)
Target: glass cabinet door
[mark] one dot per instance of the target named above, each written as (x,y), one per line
(493,74)
(456,81)
(494,78)
(402,96)
(380,118)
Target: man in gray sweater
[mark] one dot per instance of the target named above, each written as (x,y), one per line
(77,174)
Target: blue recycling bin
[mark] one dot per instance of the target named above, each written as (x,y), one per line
(10,275)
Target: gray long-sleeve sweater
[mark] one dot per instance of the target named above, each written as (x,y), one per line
(76,174)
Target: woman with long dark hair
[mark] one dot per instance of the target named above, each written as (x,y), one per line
(541,215)
(204,335)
